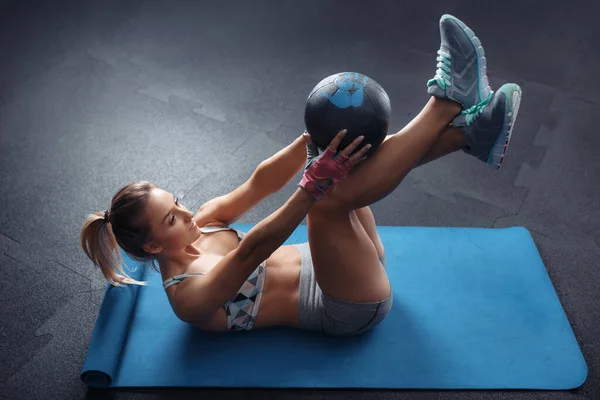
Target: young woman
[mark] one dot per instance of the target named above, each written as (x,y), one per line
(336,283)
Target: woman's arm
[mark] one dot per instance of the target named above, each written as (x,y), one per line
(276,171)
(270,176)
(198,299)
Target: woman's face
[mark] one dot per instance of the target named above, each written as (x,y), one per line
(171,224)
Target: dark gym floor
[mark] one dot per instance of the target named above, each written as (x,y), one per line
(193,95)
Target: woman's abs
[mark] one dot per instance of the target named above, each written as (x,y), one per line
(279,302)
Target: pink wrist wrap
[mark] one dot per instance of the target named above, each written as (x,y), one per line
(323,172)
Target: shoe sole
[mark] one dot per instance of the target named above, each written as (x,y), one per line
(512,100)
(476,43)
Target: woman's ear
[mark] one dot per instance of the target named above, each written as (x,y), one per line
(152,248)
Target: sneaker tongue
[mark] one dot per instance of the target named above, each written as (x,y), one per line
(468,116)
(460,121)
(437,87)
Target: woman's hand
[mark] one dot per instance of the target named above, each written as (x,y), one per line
(323,171)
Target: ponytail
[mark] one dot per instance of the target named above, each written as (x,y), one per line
(99,244)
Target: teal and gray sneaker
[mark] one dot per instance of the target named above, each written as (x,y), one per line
(461,73)
(488,127)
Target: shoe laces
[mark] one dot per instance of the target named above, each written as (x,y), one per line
(443,68)
(472,113)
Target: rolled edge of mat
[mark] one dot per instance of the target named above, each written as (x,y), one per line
(113,320)
(96,379)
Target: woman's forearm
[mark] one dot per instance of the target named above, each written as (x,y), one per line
(269,234)
(276,171)
(259,243)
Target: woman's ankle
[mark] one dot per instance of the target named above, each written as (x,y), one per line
(448,108)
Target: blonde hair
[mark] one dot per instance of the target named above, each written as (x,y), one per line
(127,228)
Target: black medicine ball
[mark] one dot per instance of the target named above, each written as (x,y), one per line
(352,101)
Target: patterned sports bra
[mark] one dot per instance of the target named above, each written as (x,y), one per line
(242,308)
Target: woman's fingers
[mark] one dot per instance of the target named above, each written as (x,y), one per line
(335,143)
(355,158)
(307,138)
(352,146)
(359,155)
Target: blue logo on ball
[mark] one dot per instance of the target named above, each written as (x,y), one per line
(350,91)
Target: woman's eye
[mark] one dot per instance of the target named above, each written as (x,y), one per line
(172,220)
(176,201)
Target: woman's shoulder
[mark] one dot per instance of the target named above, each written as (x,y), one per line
(203,218)
(171,268)
(213,223)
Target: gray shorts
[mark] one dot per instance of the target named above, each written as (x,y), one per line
(319,312)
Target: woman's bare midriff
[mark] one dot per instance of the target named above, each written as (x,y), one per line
(279,304)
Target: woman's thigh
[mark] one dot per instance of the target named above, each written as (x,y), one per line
(345,260)
(367,220)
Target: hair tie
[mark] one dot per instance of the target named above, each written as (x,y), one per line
(106,216)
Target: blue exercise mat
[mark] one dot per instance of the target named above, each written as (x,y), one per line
(473,309)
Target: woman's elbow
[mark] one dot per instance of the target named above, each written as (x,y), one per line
(183,315)
(253,249)
(191,314)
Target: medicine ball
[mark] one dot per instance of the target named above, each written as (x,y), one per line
(352,101)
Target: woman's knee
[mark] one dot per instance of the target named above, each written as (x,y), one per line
(323,209)
(333,203)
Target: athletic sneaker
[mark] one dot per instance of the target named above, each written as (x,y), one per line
(461,73)
(488,126)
